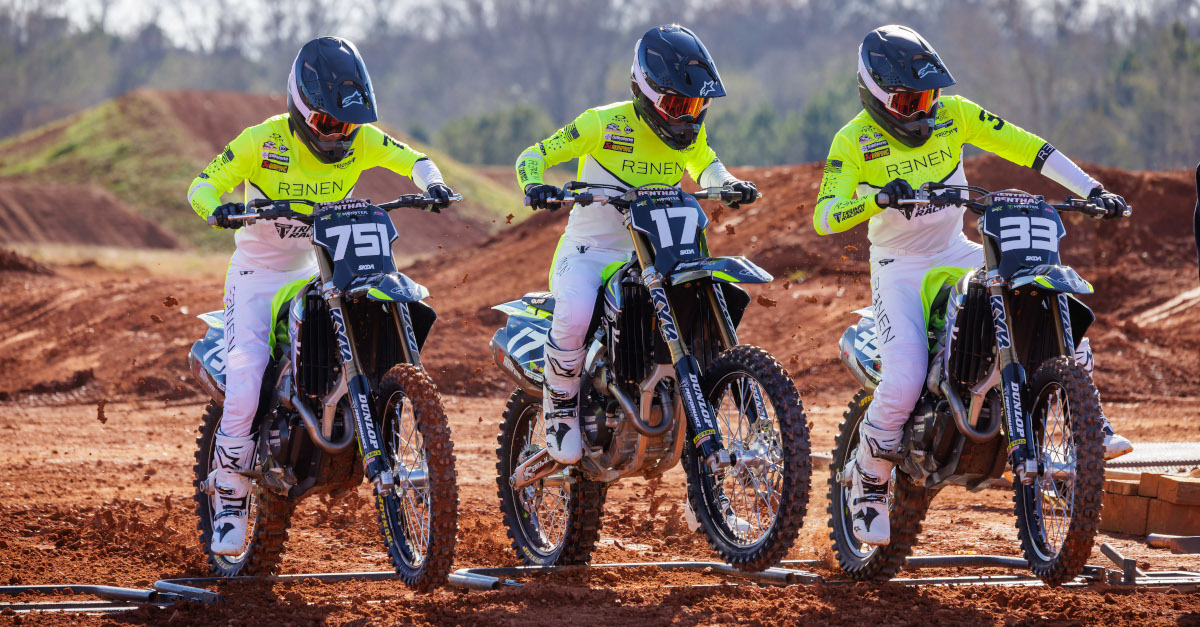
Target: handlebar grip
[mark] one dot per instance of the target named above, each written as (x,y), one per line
(212,220)
(882,199)
(258,203)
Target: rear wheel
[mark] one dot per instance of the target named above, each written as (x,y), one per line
(752,511)
(419,516)
(269,514)
(1057,514)
(864,562)
(554,521)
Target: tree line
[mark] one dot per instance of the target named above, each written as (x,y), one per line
(1106,81)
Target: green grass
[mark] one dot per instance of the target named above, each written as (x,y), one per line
(133,148)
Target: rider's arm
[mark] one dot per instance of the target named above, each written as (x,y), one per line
(1014,143)
(383,150)
(235,164)
(570,142)
(837,209)
(704,166)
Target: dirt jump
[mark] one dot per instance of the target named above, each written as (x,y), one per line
(99,415)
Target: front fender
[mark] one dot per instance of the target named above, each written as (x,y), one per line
(395,287)
(723,269)
(1054,278)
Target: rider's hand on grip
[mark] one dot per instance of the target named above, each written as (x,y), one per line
(220,215)
(748,191)
(539,196)
(892,193)
(441,193)
(1113,205)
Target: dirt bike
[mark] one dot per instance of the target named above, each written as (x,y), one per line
(988,327)
(664,377)
(344,397)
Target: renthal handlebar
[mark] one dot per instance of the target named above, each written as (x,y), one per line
(724,194)
(952,196)
(274,210)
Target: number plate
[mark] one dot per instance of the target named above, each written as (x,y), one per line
(1025,230)
(674,225)
(359,241)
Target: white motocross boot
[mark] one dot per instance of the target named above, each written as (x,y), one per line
(1115,445)
(231,492)
(870,494)
(560,404)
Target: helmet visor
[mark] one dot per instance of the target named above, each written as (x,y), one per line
(328,128)
(675,106)
(909,105)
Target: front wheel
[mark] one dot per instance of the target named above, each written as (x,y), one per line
(752,510)
(1057,514)
(419,516)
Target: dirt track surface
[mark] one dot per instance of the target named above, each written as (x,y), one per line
(98,416)
(74,214)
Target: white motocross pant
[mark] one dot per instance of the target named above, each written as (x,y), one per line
(903,343)
(575,283)
(248,295)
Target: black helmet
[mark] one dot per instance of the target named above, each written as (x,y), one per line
(329,96)
(900,78)
(673,81)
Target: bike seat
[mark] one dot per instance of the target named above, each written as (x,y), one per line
(542,301)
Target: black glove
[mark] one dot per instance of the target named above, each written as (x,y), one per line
(749,194)
(892,193)
(539,196)
(1114,206)
(441,193)
(223,212)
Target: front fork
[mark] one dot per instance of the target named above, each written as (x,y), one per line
(707,438)
(1018,423)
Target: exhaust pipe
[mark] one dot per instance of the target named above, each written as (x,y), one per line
(314,429)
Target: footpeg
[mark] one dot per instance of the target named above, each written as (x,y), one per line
(537,467)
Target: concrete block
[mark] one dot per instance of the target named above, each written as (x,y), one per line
(1112,486)
(1174,519)
(1179,490)
(1148,484)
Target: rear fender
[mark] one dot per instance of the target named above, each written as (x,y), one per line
(519,348)
(206,360)
(859,351)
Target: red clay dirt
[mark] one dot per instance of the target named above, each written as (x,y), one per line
(74,214)
(99,418)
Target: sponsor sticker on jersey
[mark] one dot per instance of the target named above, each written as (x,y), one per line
(614,127)
(863,139)
(618,147)
(271,165)
(275,157)
(878,154)
(572,132)
(618,138)
(874,145)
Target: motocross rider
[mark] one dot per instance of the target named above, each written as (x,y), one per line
(907,135)
(654,138)
(314,152)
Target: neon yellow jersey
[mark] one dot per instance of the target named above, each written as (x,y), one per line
(864,158)
(275,164)
(615,147)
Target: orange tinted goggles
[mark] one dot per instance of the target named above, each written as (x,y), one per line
(908,103)
(678,106)
(328,126)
